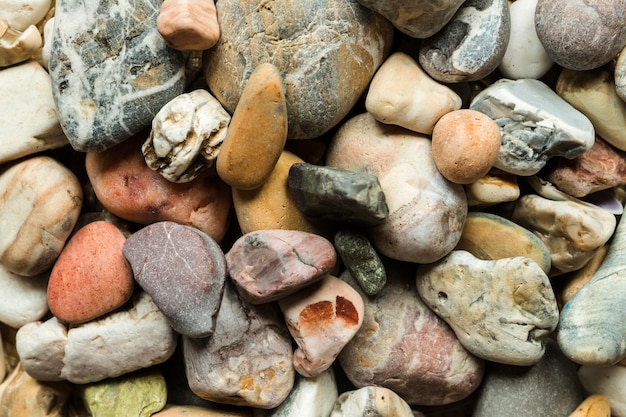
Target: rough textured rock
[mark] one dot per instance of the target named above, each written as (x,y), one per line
(22,299)
(310,397)
(111,72)
(360,258)
(267,265)
(183,270)
(375,401)
(326,52)
(601,34)
(337,195)
(607,383)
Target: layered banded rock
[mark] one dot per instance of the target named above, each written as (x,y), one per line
(326,52)
(377,401)
(111,72)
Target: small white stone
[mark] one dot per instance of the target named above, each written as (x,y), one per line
(494,188)
(17,46)
(22,299)
(22,13)
(609,381)
(47,42)
(41,347)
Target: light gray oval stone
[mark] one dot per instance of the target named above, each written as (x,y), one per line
(22,299)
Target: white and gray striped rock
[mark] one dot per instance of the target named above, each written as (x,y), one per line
(111,71)
(99,349)
(371,401)
(501,310)
(471,45)
(247,361)
(22,299)
(536,124)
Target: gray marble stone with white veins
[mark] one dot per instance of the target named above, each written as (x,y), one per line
(536,124)
(111,70)
(501,310)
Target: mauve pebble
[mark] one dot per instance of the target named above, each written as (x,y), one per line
(91,276)
(183,270)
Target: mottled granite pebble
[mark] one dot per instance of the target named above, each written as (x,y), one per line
(343,196)
(471,45)
(536,124)
(22,299)
(267,265)
(595,405)
(361,259)
(326,52)
(375,401)
(183,270)
(111,72)
(607,383)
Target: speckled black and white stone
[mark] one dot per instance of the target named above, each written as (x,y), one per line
(111,70)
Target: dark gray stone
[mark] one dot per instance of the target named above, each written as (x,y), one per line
(111,70)
(338,195)
(362,260)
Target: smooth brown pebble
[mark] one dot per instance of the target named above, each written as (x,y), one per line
(596,405)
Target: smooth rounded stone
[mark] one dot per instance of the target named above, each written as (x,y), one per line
(27,112)
(111,72)
(267,265)
(271,205)
(489,236)
(374,401)
(361,259)
(525,56)
(596,405)
(592,329)
(401,93)
(23,396)
(247,361)
(326,52)
(48,29)
(594,94)
(186,136)
(465,145)
(126,187)
(536,124)
(600,37)
(494,188)
(404,346)
(40,201)
(91,277)
(329,194)
(188,25)
(140,394)
(100,349)
(21,14)
(18,46)
(22,299)
(607,383)
(572,231)
(619,75)
(426,211)
(183,270)
(257,132)
(471,45)
(3,362)
(549,388)
(171,410)
(501,310)
(575,280)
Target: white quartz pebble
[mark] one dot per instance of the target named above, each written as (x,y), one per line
(609,381)
(22,299)
(22,13)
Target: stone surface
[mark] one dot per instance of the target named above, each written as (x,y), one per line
(525,56)
(111,72)
(465,145)
(328,194)
(22,13)
(471,45)
(572,231)
(186,136)
(18,46)
(501,310)
(619,75)
(140,394)
(375,401)
(257,132)
(549,388)
(595,405)
(22,299)
(536,124)
(126,187)
(188,25)
(360,258)
(100,349)
(247,361)
(91,277)
(183,270)
(607,383)
(401,93)
(404,346)
(575,280)
(267,265)
(601,36)
(591,330)
(40,201)
(194,411)
(322,319)
(326,52)
(426,211)
(495,187)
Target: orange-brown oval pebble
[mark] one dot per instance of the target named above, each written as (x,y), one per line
(465,145)
(596,405)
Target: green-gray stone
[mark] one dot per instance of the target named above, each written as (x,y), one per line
(140,394)
(361,259)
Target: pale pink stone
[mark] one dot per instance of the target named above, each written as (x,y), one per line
(189,25)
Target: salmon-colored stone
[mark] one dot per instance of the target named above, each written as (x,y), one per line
(91,276)
(188,25)
(257,132)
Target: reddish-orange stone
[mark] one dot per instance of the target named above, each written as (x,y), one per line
(91,277)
